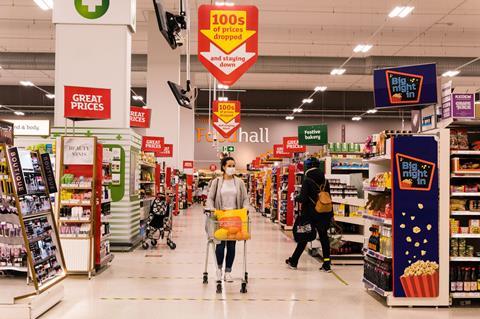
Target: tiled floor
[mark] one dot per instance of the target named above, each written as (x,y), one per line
(168,284)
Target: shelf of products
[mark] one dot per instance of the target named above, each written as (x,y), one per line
(27,215)
(146,174)
(465,213)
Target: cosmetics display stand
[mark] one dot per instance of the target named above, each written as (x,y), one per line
(27,182)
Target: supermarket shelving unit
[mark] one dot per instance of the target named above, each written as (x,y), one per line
(286,202)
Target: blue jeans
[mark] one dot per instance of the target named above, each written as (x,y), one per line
(220,253)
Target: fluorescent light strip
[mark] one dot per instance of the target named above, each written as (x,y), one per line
(337,71)
(298,110)
(225,3)
(451,73)
(400,12)
(50,96)
(44,4)
(362,48)
(26,83)
(289,117)
(356,118)
(307,101)
(320,88)
(406,11)
(372,111)
(223,99)
(18,113)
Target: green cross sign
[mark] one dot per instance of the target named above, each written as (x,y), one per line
(92,9)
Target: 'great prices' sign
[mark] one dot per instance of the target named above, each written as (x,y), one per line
(227,40)
(279,152)
(140,117)
(152,143)
(291,145)
(83,103)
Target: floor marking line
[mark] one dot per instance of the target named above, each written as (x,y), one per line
(340,278)
(205,299)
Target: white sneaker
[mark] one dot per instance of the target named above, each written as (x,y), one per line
(228,277)
(219,274)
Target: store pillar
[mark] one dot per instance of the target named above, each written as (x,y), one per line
(169,120)
(93,50)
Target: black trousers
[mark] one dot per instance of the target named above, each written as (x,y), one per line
(220,253)
(321,223)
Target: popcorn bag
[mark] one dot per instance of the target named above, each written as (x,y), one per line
(421,280)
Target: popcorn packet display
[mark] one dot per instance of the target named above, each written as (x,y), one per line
(421,279)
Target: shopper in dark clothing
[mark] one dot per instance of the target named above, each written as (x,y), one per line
(313,180)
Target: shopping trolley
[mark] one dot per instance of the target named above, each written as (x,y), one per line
(227,229)
(159,223)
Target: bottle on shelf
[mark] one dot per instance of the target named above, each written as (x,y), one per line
(466,280)
(453,279)
(473,282)
(459,279)
(478,279)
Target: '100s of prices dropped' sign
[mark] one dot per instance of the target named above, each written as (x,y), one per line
(226,117)
(227,40)
(83,103)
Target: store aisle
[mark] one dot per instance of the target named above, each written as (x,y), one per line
(168,284)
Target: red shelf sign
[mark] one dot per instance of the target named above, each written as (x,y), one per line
(152,143)
(290,144)
(166,151)
(140,117)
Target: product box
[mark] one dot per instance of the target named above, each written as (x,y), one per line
(465,165)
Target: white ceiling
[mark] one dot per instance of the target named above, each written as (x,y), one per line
(318,28)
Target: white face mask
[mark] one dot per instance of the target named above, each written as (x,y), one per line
(230,171)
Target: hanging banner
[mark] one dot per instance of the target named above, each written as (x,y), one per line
(140,117)
(83,103)
(166,151)
(415,217)
(291,145)
(227,40)
(49,173)
(226,117)
(313,135)
(278,152)
(152,143)
(78,150)
(405,86)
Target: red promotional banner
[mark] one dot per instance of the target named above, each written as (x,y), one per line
(226,117)
(152,143)
(187,164)
(227,40)
(278,152)
(166,151)
(290,144)
(83,103)
(140,117)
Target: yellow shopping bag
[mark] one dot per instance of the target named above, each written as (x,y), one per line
(232,224)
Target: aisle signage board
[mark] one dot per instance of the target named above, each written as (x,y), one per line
(188,167)
(226,117)
(166,151)
(31,127)
(313,135)
(405,86)
(106,12)
(291,145)
(152,143)
(447,100)
(49,173)
(78,150)
(463,105)
(227,40)
(17,172)
(415,217)
(85,103)
(140,117)
(278,152)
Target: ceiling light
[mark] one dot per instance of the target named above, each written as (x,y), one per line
(298,110)
(320,88)
(137,97)
(19,113)
(289,117)
(400,12)
(337,71)
(362,48)
(372,111)
(26,83)
(224,3)
(451,73)
(356,118)
(307,101)
(50,96)
(44,4)
(223,99)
